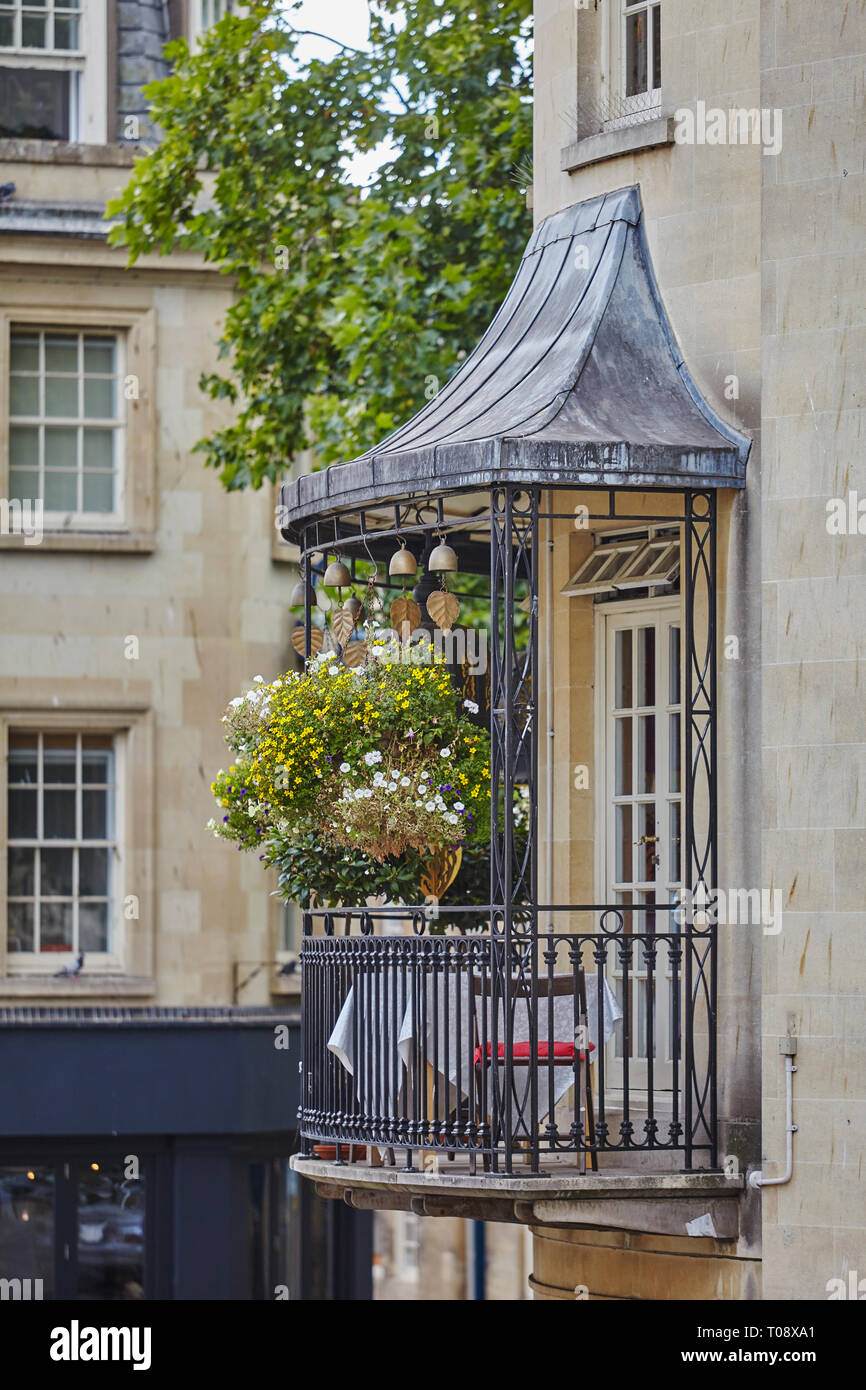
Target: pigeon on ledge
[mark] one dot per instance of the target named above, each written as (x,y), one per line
(72,971)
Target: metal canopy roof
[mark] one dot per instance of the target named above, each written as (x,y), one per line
(578,380)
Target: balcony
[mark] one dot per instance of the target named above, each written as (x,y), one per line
(601,1087)
(555,1058)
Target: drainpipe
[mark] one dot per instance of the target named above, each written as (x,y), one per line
(788,1047)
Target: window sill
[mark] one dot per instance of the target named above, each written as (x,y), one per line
(36,986)
(613,144)
(125,542)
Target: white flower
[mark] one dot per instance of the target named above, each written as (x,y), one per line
(405,781)
(419,803)
(445,753)
(458,806)
(258,680)
(333,670)
(431,806)
(374,757)
(378,779)
(452,819)
(344,767)
(471,706)
(392,786)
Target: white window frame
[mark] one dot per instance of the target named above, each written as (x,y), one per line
(627,110)
(75,520)
(88,65)
(46,963)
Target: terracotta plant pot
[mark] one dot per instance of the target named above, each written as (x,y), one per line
(328,1152)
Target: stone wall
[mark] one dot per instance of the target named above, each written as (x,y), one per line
(813,68)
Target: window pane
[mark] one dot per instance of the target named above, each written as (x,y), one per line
(657,46)
(646,821)
(635,54)
(58,758)
(21,875)
(623,844)
(99,398)
(623,693)
(24,446)
(623,784)
(59,813)
(93,927)
(22,814)
(65,33)
(93,873)
(97,492)
(22,758)
(111,1217)
(56,927)
(23,485)
(98,451)
(646,655)
(7,30)
(61,396)
(32,32)
(96,812)
(34,105)
(674,658)
(19,934)
(61,491)
(99,355)
(27,1226)
(56,873)
(646,754)
(24,352)
(61,446)
(23,395)
(61,352)
(674,753)
(674,847)
(97,758)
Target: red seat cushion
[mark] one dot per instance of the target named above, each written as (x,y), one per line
(562,1051)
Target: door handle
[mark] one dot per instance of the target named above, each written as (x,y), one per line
(647,840)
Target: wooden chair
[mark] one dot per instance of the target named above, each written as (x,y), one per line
(521,1052)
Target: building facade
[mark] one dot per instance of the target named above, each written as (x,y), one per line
(140,989)
(731,135)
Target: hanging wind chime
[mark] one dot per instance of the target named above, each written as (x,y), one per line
(442,605)
(405,613)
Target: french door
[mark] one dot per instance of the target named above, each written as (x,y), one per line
(639,717)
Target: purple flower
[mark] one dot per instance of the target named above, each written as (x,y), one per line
(225,820)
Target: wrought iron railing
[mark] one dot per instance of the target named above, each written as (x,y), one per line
(561,1042)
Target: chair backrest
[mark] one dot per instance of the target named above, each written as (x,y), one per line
(556,985)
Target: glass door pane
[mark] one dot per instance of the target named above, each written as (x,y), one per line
(111,1216)
(27,1215)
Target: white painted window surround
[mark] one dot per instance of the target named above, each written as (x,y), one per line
(631,61)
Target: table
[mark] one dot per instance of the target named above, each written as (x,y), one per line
(390,1022)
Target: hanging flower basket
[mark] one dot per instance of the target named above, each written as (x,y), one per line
(378,766)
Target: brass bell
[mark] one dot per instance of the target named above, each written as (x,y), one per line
(298,596)
(442,558)
(403,562)
(337,575)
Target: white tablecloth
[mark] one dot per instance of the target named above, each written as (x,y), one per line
(386,1016)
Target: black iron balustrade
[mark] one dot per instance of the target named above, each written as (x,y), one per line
(400,1033)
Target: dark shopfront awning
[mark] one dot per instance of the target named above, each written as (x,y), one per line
(578,380)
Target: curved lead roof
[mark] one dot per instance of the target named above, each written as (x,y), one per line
(578,380)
